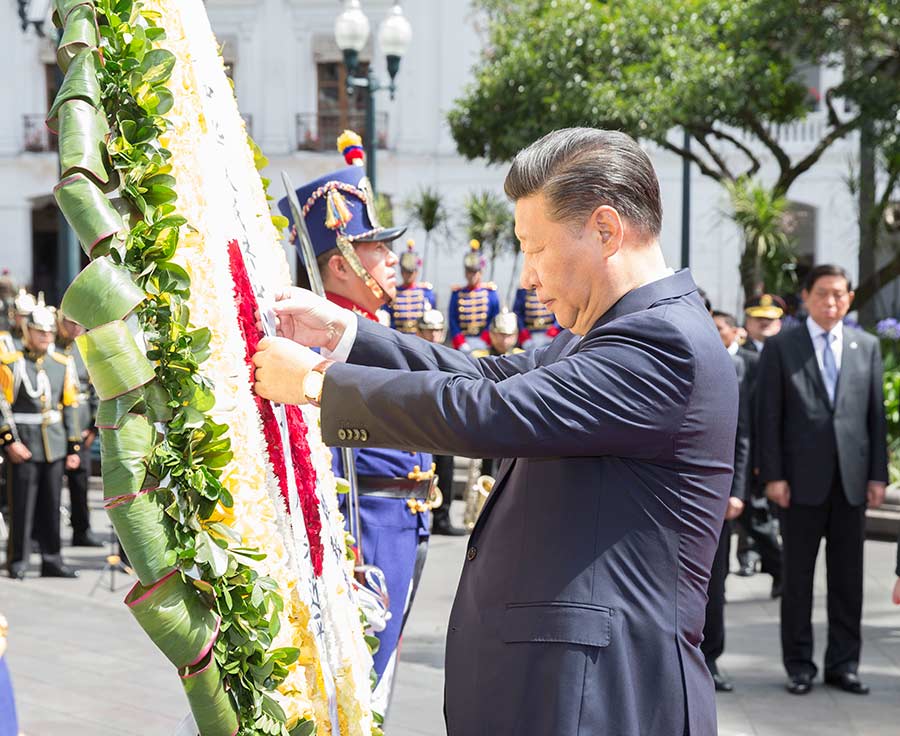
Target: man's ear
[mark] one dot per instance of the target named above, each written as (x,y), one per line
(337,267)
(607,226)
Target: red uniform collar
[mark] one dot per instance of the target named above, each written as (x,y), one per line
(352,306)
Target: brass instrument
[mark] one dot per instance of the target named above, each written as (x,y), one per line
(477,494)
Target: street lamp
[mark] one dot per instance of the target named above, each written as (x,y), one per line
(351,31)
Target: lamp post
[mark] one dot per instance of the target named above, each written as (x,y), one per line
(351,32)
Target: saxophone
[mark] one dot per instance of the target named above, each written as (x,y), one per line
(478,488)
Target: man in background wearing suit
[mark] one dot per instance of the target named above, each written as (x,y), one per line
(823,453)
(581,602)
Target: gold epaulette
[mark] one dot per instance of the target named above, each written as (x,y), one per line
(490,285)
(516,351)
(10,357)
(457,288)
(480,353)
(425,285)
(60,357)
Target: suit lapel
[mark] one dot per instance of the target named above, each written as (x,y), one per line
(851,364)
(811,364)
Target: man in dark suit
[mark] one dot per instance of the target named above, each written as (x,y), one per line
(823,455)
(580,606)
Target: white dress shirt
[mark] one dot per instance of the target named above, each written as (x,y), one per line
(837,342)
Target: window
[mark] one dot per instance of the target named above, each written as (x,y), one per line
(337,110)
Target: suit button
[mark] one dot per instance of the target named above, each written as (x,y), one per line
(363,435)
(342,434)
(356,435)
(472,553)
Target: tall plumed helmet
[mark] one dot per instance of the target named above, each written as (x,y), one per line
(431,319)
(410,260)
(474,261)
(42,318)
(505,323)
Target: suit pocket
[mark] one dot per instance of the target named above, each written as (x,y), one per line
(557,622)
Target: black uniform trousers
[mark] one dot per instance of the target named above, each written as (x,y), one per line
(34,494)
(443,468)
(78,493)
(803,527)
(713,643)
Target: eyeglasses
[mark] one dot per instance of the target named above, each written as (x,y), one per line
(823,294)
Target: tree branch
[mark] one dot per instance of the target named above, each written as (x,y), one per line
(790,174)
(705,169)
(870,287)
(784,161)
(754,159)
(713,154)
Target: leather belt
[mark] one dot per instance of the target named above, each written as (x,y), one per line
(48,417)
(370,485)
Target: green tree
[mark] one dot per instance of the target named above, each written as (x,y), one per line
(768,260)
(489,220)
(428,211)
(727,73)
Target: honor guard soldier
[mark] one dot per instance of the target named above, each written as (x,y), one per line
(41,440)
(78,479)
(355,259)
(23,306)
(537,325)
(413,297)
(473,306)
(504,332)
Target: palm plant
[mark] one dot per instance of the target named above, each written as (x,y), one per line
(768,261)
(489,220)
(427,210)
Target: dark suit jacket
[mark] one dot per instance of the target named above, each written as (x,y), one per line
(743,459)
(803,438)
(581,604)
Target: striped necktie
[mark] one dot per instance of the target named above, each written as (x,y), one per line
(829,367)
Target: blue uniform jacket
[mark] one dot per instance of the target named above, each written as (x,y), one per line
(410,304)
(471,311)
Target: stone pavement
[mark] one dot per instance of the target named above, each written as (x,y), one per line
(82,667)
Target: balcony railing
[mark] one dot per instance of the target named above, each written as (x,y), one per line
(37,137)
(319,131)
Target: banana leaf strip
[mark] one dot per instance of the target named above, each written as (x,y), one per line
(124,452)
(81,83)
(62,8)
(145,531)
(210,704)
(80,33)
(103,292)
(174,616)
(112,413)
(82,140)
(89,212)
(114,361)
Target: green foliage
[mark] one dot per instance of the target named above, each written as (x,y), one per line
(489,219)
(192,453)
(768,261)
(427,210)
(889,333)
(384,210)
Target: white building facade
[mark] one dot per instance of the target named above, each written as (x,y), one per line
(290,84)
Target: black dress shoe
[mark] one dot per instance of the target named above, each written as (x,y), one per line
(440,526)
(57,570)
(722,685)
(86,539)
(799,684)
(746,569)
(777,587)
(17,573)
(848,682)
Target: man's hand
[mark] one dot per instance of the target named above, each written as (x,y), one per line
(73,461)
(87,437)
(18,453)
(734,509)
(308,319)
(875,491)
(281,367)
(779,493)
(896,595)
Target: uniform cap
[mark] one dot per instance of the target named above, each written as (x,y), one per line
(409,260)
(766,306)
(42,318)
(474,261)
(505,323)
(431,319)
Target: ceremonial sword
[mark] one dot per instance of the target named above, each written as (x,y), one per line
(308,254)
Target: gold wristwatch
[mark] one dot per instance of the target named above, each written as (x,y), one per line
(314,382)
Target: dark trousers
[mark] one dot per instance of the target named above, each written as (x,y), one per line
(78,494)
(444,470)
(34,494)
(713,643)
(843,527)
(756,527)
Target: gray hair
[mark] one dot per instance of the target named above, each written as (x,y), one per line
(580,169)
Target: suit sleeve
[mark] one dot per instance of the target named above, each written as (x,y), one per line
(379,347)
(770,415)
(622,393)
(878,469)
(742,460)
